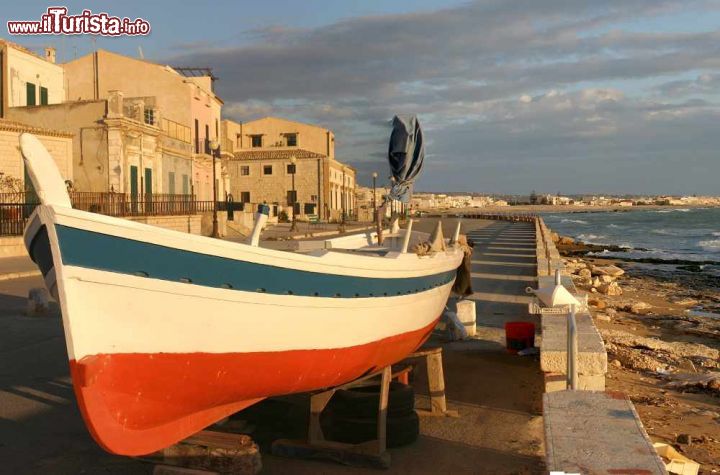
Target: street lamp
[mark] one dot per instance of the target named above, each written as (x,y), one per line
(374,176)
(293,161)
(214,152)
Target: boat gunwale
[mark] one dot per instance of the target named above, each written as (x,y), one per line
(328,262)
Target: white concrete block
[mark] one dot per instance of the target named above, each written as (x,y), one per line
(466,314)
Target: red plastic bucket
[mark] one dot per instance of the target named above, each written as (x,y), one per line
(519,335)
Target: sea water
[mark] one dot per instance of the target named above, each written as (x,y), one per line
(689,234)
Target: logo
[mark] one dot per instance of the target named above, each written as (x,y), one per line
(56,21)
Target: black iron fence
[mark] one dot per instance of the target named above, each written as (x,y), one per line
(15,208)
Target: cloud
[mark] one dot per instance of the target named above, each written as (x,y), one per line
(494,83)
(705,83)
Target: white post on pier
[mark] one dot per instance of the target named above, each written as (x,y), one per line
(572,350)
(558,277)
(261,218)
(406,239)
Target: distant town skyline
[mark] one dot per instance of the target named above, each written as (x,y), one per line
(582,97)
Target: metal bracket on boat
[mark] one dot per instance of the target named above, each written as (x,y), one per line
(406,239)
(456,235)
(261,218)
(395,226)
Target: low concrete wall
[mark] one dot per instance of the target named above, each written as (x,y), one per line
(206,223)
(12,246)
(592,356)
(184,223)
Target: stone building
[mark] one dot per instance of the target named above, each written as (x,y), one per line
(179,102)
(27,79)
(58,143)
(114,147)
(261,168)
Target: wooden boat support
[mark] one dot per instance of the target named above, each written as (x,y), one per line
(436,382)
(372,453)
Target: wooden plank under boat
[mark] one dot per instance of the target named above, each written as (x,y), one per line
(169,332)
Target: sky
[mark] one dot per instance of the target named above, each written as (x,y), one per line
(558,96)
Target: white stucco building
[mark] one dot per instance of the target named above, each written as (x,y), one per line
(27,79)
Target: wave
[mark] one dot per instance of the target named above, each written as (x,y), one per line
(615,226)
(711,245)
(691,232)
(590,238)
(576,221)
(681,210)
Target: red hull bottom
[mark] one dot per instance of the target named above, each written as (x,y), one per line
(135,404)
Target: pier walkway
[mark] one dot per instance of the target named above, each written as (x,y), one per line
(503,266)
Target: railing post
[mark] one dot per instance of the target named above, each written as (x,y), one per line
(572,350)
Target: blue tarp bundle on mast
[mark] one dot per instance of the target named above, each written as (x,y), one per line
(405,154)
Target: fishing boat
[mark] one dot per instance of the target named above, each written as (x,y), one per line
(169,332)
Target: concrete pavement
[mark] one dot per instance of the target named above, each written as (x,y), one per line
(41,430)
(503,265)
(17,267)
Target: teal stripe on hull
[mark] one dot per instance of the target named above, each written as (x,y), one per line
(93,250)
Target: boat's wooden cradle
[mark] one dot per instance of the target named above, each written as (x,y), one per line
(372,453)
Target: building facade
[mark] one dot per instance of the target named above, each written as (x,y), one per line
(12,166)
(261,168)
(181,105)
(27,79)
(115,149)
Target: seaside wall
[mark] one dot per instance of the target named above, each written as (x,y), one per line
(592,357)
(587,430)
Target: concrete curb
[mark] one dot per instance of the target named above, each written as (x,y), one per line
(19,275)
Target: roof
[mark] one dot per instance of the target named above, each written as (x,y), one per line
(22,48)
(275,154)
(20,127)
(272,117)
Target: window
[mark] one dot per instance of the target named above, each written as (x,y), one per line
(171,183)
(291,197)
(30,92)
(244,197)
(309,208)
(313,198)
(291,169)
(43,96)
(267,169)
(256,141)
(207,139)
(197,136)
(245,170)
(149,116)
(291,140)
(185,185)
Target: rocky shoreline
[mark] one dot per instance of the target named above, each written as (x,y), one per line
(663,341)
